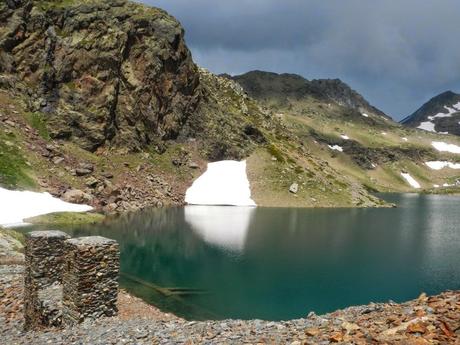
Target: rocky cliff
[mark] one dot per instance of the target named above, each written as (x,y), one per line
(100,71)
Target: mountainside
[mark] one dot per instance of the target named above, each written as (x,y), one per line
(339,126)
(283,89)
(101,103)
(441,114)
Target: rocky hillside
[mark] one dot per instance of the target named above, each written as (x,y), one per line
(285,89)
(101,103)
(441,114)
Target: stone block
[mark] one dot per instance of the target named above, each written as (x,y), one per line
(44,259)
(90,279)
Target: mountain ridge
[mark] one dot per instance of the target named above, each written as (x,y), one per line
(296,86)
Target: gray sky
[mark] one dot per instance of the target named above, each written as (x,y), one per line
(397,53)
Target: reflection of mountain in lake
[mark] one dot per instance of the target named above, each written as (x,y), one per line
(225,227)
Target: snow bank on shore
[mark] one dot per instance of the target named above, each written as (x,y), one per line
(411,180)
(223,183)
(15,206)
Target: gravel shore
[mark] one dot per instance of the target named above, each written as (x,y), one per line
(426,320)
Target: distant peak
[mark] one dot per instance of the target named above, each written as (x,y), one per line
(448,93)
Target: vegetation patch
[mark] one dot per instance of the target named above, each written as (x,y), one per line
(13,234)
(66,218)
(275,152)
(13,166)
(37,120)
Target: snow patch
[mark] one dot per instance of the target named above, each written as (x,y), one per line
(444,147)
(336,148)
(223,183)
(427,126)
(438,165)
(384,133)
(345,137)
(411,180)
(365,115)
(16,206)
(405,139)
(436,186)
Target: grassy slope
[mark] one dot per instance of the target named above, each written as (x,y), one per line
(307,115)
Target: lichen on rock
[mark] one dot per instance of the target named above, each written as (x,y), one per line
(102,71)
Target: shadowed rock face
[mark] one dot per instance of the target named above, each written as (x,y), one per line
(102,71)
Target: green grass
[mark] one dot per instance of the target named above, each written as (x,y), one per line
(13,234)
(14,171)
(275,152)
(7,233)
(37,120)
(67,218)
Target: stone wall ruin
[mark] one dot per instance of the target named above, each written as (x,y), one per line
(69,280)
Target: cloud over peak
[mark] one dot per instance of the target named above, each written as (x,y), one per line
(397,54)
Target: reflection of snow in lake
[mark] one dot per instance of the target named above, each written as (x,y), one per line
(223,226)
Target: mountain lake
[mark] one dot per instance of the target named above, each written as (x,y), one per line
(203,262)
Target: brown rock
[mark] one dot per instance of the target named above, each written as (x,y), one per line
(92,182)
(82,171)
(416,327)
(336,337)
(76,196)
(417,341)
(312,332)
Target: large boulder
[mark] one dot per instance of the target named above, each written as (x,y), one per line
(76,196)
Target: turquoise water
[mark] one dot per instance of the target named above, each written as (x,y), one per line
(281,263)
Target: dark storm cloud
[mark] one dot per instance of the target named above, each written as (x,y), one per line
(398,54)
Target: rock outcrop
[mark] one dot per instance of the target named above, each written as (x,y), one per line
(106,71)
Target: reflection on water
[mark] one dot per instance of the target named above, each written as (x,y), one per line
(281,263)
(225,227)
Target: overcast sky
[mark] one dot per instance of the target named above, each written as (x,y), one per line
(397,53)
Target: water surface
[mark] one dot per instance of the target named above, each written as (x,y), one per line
(280,263)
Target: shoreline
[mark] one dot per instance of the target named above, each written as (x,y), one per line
(426,320)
